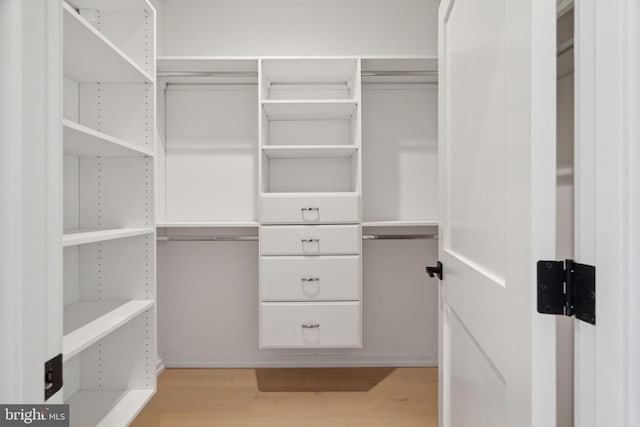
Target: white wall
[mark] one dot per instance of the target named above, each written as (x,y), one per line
(299,27)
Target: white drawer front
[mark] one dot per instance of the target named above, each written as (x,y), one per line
(310,325)
(310,240)
(319,209)
(304,278)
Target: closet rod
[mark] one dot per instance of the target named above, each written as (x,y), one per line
(414,73)
(399,236)
(399,73)
(212,83)
(229,238)
(235,238)
(565,46)
(207,74)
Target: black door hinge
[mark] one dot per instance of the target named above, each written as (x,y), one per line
(52,376)
(567,288)
(436,271)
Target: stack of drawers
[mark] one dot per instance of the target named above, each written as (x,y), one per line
(310,271)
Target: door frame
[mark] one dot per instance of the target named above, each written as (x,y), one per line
(30,196)
(607,206)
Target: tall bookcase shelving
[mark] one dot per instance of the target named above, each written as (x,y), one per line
(109,342)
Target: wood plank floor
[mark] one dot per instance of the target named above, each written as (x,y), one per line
(372,397)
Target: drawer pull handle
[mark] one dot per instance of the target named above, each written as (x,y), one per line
(310,325)
(310,279)
(309,209)
(310,240)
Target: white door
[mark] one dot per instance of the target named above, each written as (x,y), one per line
(607,206)
(497,185)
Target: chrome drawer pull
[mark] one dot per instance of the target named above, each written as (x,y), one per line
(310,325)
(310,279)
(310,240)
(310,209)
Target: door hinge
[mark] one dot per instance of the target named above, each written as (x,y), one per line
(567,288)
(52,376)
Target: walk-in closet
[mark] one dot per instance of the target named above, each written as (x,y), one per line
(297,202)
(295,213)
(293,190)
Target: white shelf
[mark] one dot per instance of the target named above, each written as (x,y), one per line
(306,194)
(80,140)
(308,151)
(400,223)
(304,70)
(206,224)
(82,236)
(86,322)
(337,109)
(116,5)
(89,57)
(107,408)
(208,64)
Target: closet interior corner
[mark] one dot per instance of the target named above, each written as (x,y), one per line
(297,201)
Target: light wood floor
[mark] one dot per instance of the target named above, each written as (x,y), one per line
(371,397)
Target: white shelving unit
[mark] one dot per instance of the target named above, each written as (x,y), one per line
(109,342)
(308,186)
(254,144)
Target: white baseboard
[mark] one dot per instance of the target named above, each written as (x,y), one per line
(160,366)
(220,363)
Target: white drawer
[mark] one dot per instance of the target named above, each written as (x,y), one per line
(303,278)
(310,325)
(316,209)
(310,240)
